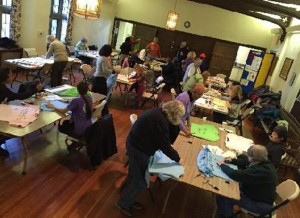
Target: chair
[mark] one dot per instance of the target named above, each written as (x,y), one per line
(239,121)
(69,69)
(86,71)
(292,155)
(133,118)
(30,52)
(81,141)
(153,95)
(287,191)
(173,93)
(220,75)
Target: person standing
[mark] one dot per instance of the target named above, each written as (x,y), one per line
(103,70)
(59,51)
(181,54)
(153,49)
(192,75)
(148,134)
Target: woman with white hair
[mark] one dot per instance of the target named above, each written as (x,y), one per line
(59,52)
(257,183)
(148,134)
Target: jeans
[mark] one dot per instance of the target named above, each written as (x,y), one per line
(225,205)
(136,183)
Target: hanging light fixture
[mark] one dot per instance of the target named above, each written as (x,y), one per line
(88,9)
(172,19)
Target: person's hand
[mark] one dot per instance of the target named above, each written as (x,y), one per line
(49,105)
(39,87)
(228,160)
(187,133)
(220,162)
(181,162)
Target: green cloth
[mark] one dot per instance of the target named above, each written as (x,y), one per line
(72,92)
(205,131)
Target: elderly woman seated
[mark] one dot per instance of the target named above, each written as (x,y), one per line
(257,183)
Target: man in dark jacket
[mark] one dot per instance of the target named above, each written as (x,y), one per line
(148,134)
(257,184)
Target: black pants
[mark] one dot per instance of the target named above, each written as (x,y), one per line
(57,73)
(67,127)
(100,86)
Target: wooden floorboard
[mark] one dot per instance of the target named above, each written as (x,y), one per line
(60,185)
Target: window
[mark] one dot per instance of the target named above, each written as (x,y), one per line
(59,18)
(5,8)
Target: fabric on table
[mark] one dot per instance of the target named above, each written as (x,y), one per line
(207,164)
(238,143)
(205,131)
(166,168)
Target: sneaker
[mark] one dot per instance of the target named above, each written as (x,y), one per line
(73,147)
(137,206)
(126,211)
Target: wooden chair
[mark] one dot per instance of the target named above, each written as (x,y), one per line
(291,158)
(152,95)
(30,52)
(86,71)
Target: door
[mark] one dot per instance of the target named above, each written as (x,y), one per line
(296,108)
(223,58)
(264,70)
(144,33)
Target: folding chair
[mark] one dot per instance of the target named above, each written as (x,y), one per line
(30,52)
(287,191)
(173,93)
(239,121)
(69,69)
(153,95)
(81,141)
(86,71)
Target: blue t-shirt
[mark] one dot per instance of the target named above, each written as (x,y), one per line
(81,122)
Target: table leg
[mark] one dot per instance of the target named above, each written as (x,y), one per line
(167,197)
(25,156)
(14,79)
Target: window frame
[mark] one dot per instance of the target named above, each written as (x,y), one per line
(60,17)
(3,10)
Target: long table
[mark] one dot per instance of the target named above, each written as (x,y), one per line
(188,149)
(43,119)
(212,103)
(33,64)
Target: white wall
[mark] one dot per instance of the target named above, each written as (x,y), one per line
(205,20)
(291,49)
(98,31)
(35,18)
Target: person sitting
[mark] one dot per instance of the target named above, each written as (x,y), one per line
(82,46)
(192,75)
(25,91)
(205,76)
(59,51)
(257,184)
(139,83)
(81,117)
(235,100)
(170,74)
(275,146)
(187,98)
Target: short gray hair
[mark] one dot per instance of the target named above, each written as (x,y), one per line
(50,38)
(257,153)
(174,110)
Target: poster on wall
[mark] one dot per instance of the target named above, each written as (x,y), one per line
(250,72)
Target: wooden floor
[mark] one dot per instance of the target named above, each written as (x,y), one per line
(58,184)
